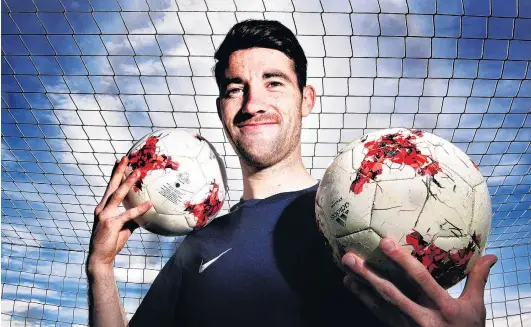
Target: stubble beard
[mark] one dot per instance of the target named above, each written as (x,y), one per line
(261,155)
(271,152)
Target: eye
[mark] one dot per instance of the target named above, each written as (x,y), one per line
(275,84)
(233,91)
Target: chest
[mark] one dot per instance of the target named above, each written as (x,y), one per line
(274,274)
(239,282)
(231,269)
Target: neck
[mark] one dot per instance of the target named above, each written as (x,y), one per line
(287,175)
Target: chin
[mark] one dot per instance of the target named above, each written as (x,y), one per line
(260,156)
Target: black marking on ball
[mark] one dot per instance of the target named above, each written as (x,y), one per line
(436,182)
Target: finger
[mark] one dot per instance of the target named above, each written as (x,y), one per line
(387,290)
(105,196)
(123,174)
(130,214)
(116,180)
(477,278)
(118,195)
(416,270)
(363,292)
(126,232)
(379,307)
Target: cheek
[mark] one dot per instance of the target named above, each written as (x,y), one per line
(291,111)
(229,111)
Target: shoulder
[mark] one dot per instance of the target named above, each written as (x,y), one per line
(302,204)
(217,234)
(215,228)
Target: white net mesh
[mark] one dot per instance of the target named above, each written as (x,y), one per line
(81,80)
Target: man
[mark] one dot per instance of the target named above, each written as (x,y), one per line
(265,263)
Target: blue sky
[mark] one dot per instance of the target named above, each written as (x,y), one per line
(82,80)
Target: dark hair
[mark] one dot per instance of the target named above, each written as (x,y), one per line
(262,34)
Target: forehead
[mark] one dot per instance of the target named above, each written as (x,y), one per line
(252,61)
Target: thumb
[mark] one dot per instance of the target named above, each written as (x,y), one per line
(477,278)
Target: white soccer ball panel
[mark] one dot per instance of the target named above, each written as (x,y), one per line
(353,214)
(363,243)
(212,173)
(482,218)
(349,146)
(143,220)
(448,209)
(451,244)
(392,171)
(207,152)
(180,142)
(342,217)
(212,166)
(456,160)
(323,222)
(172,188)
(357,153)
(397,206)
(169,225)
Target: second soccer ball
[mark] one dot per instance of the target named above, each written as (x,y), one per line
(413,186)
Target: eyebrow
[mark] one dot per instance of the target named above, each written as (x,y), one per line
(235,80)
(266,75)
(276,73)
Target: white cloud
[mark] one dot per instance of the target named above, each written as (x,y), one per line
(117,44)
(150,66)
(166,22)
(128,69)
(109,102)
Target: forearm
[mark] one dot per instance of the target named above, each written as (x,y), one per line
(105,308)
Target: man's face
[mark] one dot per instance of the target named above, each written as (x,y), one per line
(261,106)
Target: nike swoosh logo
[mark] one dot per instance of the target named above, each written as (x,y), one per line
(205,265)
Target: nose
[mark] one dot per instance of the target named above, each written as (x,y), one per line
(254,100)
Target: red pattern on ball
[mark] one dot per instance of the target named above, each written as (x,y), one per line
(396,148)
(147,159)
(447,267)
(206,209)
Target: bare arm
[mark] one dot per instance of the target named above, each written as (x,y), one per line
(105,308)
(110,232)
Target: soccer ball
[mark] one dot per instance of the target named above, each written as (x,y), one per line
(182,176)
(412,186)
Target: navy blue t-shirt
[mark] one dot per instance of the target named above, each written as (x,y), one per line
(263,264)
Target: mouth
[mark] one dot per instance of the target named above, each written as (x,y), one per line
(247,126)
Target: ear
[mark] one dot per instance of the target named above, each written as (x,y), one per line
(308,100)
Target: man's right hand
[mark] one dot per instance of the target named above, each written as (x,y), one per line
(112,228)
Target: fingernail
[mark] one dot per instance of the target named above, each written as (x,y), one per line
(388,245)
(349,261)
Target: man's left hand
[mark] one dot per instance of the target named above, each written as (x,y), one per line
(436,309)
